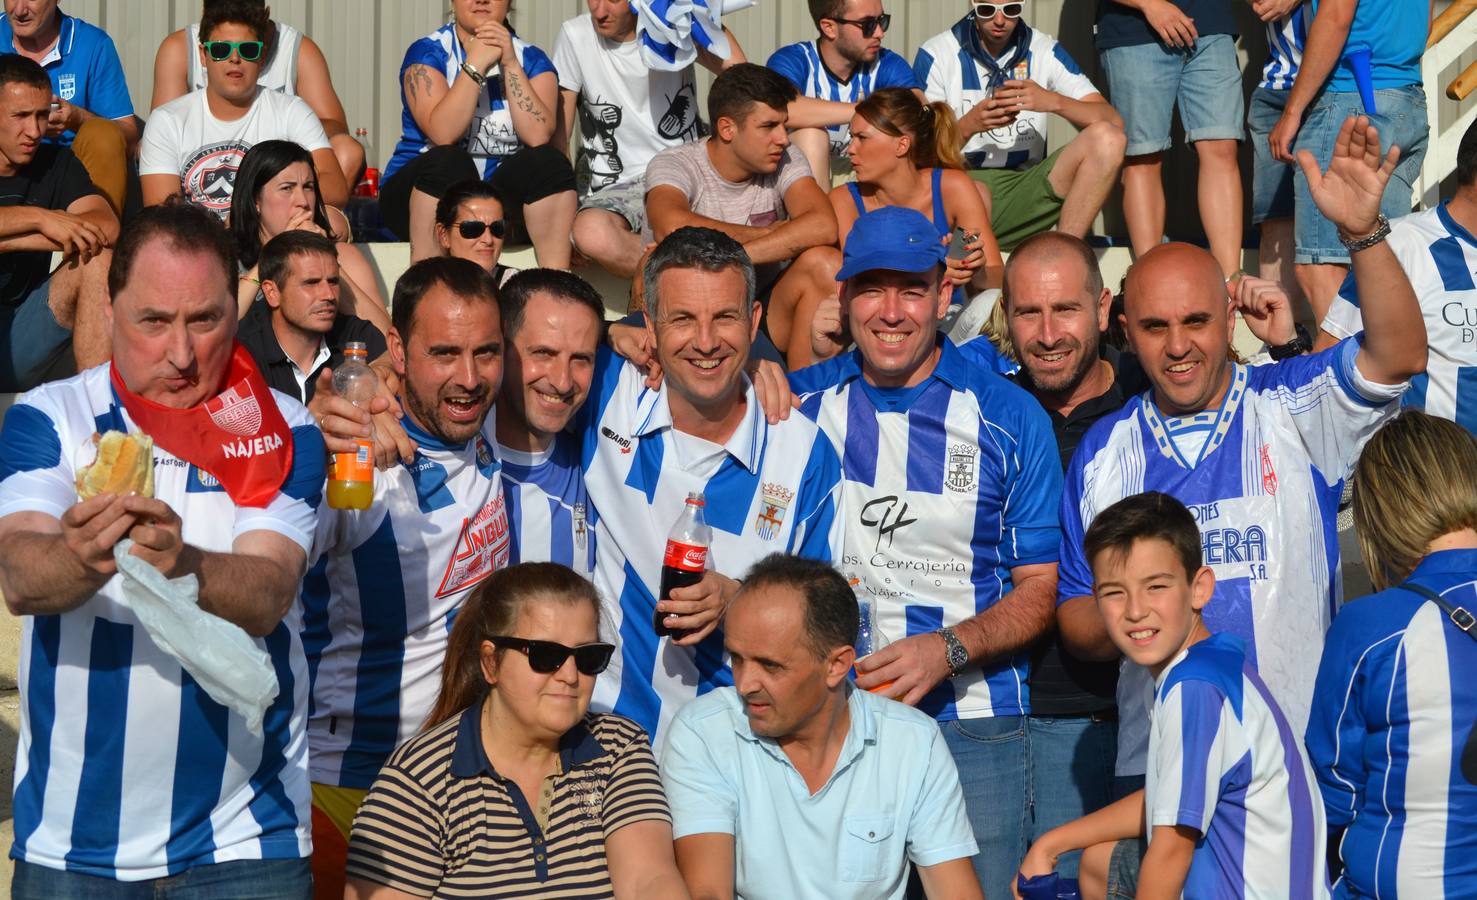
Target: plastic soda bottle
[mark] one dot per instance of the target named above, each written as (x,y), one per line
(351,475)
(686,557)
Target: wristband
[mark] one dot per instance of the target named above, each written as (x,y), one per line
(472,73)
(1381,231)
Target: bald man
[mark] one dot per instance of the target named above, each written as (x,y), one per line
(1259,454)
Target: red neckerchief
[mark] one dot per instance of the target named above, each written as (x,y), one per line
(239,435)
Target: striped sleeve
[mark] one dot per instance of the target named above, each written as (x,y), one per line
(634,792)
(397,835)
(1336,726)
(1197,743)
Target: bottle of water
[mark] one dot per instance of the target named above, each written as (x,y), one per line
(351,475)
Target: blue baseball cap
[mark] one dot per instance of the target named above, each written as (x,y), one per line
(894,238)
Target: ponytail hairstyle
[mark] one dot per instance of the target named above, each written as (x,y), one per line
(935,132)
(492,610)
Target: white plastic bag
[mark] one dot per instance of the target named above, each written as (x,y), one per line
(219,655)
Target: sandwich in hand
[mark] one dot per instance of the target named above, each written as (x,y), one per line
(124,465)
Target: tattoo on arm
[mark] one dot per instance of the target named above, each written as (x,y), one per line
(417,79)
(525,102)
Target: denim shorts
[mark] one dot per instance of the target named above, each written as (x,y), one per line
(1401,120)
(32,342)
(242,879)
(1146,81)
(1123,868)
(1271,181)
(626,199)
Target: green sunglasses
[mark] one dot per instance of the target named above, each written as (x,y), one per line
(220,51)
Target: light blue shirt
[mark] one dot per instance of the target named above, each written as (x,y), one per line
(84,69)
(893,798)
(1395,32)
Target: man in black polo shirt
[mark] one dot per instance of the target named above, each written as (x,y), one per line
(295,328)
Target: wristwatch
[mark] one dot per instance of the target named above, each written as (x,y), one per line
(1381,231)
(1299,345)
(954,652)
(472,73)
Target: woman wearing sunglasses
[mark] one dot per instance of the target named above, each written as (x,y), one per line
(513,789)
(470,225)
(277,191)
(479,103)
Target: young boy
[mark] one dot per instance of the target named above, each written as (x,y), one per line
(1230,807)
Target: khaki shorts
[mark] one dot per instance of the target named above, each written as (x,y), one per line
(626,199)
(1022,200)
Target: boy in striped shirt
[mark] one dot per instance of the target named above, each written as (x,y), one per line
(1231,806)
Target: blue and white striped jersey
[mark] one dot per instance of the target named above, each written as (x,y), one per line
(548,510)
(126,769)
(770,489)
(1285,39)
(379,602)
(1393,738)
(1226,763)
(1439,257)
(1264,490)
(956,68)
(491,135)
(948,486)
(801,63)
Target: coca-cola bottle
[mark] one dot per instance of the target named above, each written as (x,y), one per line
(685,558)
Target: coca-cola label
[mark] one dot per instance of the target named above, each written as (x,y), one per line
(686,557)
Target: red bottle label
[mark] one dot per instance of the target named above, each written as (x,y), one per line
(685,557)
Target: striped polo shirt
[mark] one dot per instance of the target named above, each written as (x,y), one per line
(802,66)
(440,821)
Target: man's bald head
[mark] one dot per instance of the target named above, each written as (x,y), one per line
(1175,267)
(1056,249)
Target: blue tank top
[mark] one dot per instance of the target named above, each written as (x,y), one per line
(940,218)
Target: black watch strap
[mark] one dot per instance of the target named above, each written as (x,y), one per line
(1299,345)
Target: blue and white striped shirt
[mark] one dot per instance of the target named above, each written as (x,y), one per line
(1264,489)
(491,135)
(1439,257)
(379,602)
(948,486)
(801,63)
(126,768)
(769,489)
(1393,738)
(1285,40)
(548,509)
(1226,763)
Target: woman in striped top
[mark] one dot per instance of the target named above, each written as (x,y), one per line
(513,789)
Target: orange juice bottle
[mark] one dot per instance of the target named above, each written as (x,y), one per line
(351,475)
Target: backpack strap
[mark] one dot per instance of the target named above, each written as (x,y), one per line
(1458,615)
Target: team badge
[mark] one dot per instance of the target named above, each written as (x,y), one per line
(1269,474)
(484,454)
(207,480)
(236,410)
(66,86)
(581,526)
(963,466)
(776,499)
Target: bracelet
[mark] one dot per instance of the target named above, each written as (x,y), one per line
(1301,343)
(472,73)
(1381,231)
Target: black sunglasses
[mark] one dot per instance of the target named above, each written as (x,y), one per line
(870,24)
(546,657)
(988,10)
(220,51)
(472,229)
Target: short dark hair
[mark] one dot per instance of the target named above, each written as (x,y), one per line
(693,247)
(826,9)
(1466,158)
(250,13)
(831,612)
(462,277)
(1151,515)
(735,91)
(275,264)
(187,228)
(17,69)
(1051,244)
(567,286)
(461,192)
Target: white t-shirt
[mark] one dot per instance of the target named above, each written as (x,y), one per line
(627,112)
(183,138)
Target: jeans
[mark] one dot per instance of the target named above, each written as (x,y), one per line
(245,879)
(1271,181)
(993,758)
(1071,774)
(1147,81)
(31,341)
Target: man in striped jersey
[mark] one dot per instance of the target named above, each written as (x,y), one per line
(842,66)
(552,323)
(379,601)
(127,770)
(1272,179)
(769,487)
(1438,251)
(950,493)
(1259,453)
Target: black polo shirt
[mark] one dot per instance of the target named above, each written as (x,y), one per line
(1061,684)
(256,335)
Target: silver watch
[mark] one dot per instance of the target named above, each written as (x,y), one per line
(955,654)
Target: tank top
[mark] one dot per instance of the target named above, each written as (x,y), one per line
(940,218)
(279,73)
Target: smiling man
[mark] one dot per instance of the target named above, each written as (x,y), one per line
(379,602)
(950,526)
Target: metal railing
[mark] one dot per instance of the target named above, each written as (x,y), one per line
(1453,35)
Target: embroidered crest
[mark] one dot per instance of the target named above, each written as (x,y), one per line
(236,410)
(484,453)
(206,479)
(580,525)
(962,469)
(776,499)
(1269,474)
(67,86)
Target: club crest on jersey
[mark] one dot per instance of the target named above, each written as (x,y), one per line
(236,410)
(772,505)
(67,86)
(1269,474)
(484,453)
(581,524)
(481,549)
(962,469)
